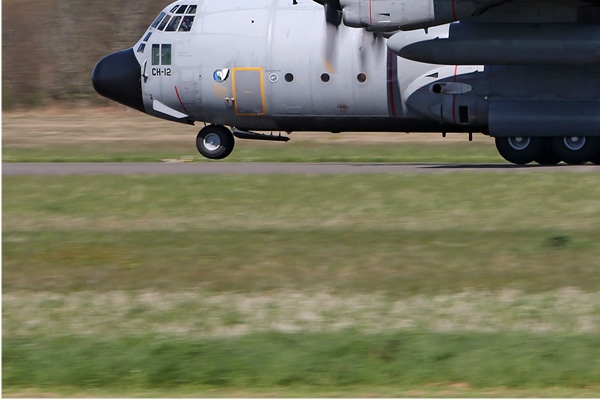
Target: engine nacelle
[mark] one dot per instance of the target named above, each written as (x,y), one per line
(506,44)
(391,15)
(452,95)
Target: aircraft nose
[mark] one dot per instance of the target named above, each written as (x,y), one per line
(118,77)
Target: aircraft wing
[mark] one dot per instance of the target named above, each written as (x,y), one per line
(491,32)
(394,15)
(537,12)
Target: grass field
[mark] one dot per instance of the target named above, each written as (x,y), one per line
(440,285)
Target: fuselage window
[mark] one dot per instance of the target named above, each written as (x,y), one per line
(156,54)
(173,24)
(165,55)
(147,36)
(161,54)
(158,19)
(141,48)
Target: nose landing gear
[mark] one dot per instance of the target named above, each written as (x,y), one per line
(215,142)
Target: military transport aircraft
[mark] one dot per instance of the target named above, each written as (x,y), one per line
(526,72)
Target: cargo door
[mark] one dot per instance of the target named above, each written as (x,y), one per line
(248,91)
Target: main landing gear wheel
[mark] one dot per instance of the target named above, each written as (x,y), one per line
(576,149)
(215,142)
(520,150)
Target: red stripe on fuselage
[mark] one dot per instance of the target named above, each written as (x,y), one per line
(181,102)
(454,10)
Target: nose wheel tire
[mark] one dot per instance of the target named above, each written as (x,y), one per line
(520,150)
(215,142)
(576,149)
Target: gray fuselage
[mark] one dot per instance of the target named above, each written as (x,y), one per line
(278,65)
(282,67)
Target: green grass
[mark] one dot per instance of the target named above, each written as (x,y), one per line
(400,234)
(400,263)
(315,360)
(261,152)
(302,285)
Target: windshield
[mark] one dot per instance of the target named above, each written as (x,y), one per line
(179,19)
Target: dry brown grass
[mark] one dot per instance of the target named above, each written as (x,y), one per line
(59,126)
(201,314)
(82,125)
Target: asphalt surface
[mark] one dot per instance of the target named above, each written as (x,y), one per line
(216,168)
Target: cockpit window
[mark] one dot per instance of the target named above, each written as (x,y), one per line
(164,23)
(173,24)
(181,22)
(186,24)
(158,19)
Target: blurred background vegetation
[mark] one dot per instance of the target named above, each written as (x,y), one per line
(50,47)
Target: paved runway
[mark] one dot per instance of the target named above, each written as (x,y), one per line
(210,168)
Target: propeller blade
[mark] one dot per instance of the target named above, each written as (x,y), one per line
(333,17)
(330,47)
(333,11)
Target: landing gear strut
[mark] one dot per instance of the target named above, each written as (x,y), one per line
(215,142)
